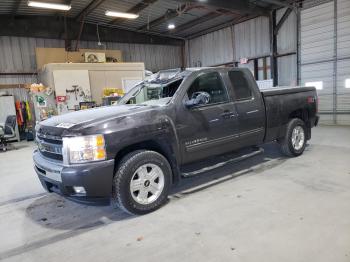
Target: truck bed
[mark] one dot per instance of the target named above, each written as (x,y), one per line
(283,103)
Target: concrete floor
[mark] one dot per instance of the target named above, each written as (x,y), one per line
(268,208)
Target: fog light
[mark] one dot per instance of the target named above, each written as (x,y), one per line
(79,190)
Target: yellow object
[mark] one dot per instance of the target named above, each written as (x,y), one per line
(108,91)
(34,88)
(29,114)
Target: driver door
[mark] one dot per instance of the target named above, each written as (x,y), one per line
(211,128)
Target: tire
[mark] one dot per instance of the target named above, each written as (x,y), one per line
(294,144)
(142,182)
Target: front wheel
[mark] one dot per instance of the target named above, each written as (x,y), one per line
(142,182)
(294,141)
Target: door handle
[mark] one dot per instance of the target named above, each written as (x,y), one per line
(252,112)
(228,114)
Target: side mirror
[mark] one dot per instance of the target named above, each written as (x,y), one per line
(198,98)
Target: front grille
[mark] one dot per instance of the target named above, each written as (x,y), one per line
(50,146)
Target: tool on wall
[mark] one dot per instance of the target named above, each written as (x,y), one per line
(74,90)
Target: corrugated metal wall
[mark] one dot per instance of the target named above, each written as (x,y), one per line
(249,39)
(17,54)
(287,70)
(325,56)
(211,49)
(252,38)
(287,35)
(287,43)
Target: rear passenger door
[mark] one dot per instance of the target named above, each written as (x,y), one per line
(249,106)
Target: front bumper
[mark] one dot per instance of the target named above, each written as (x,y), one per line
(95,177)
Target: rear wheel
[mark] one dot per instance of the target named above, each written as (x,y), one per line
(294,141)
(142,182)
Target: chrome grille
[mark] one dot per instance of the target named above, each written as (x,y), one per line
(50,146)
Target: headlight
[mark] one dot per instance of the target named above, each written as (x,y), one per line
(83,149)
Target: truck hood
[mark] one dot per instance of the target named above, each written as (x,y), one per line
(83,118)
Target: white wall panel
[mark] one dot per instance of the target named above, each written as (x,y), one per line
(252,38)
(211,49)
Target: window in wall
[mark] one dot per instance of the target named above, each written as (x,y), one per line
(317,84)
(212,84)
(262,68)
(347,83)
(250,65)
(240,85)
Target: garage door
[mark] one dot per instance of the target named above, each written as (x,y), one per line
(325,57)
(317,54)
(343,64)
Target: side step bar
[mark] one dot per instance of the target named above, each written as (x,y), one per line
(255,152)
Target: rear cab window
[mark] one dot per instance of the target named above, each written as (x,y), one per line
(240,85)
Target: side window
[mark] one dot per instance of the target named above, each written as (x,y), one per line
(212,84)
(240,85)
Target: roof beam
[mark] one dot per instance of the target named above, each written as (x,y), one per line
(88,9)
(195,22)
(170,14)
(135,9)
(282,20)
(50,27)
(221,26)
(244,7)
(276,2)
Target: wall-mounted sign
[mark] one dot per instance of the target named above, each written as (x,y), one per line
(243,60)
(61,98)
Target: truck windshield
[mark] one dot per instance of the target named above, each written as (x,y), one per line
(157,89)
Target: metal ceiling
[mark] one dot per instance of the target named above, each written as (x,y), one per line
(154,15)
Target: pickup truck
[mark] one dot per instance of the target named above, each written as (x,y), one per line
(133,153)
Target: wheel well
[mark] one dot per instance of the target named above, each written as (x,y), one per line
(302,114)
(153,146)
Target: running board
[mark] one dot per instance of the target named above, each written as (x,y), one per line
(256,151)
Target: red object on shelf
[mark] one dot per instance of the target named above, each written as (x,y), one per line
(61,98)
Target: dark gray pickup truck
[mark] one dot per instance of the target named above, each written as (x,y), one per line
(134,152)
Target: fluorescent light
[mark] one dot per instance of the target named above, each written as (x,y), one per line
(318,84)
(171,26)
(121,15)
(347,83)
(49,5)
